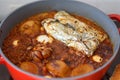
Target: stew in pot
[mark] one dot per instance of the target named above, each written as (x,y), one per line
(57,44)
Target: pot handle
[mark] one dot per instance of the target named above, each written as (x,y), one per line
(115,17)
(1,60)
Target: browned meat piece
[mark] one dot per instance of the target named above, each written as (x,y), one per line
(36,56)
(47,52)
(58,68)
(40,52)
(30,28)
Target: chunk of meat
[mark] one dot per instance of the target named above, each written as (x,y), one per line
(81,27)
(82,69)
(46,52)
(40,52)
(29,67)
(58,68)
(73,32)
(36,56)
(30,28)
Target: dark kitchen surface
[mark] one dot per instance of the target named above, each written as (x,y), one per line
(4,74)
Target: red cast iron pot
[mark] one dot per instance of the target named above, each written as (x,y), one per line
(76,7)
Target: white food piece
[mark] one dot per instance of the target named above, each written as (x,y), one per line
(97,58)
(74,33)
(44,39)
(79,26)
(61,32)
(80,46)
(15,42)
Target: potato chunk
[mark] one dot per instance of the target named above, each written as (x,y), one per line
(30,28)
(82,69)
(58,68)
(29,67)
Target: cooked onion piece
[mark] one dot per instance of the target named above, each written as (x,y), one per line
(82,69)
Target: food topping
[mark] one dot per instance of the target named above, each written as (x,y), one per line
(73,32)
